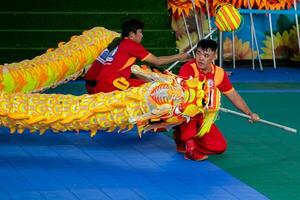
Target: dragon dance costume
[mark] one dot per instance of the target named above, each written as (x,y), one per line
(208,140)
(166,101)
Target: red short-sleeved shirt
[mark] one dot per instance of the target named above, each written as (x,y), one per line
(114,64)
(126,55)
(217,77)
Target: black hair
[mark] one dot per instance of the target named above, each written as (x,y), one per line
(131,25)
(114,43)
(207,44)
(128,26)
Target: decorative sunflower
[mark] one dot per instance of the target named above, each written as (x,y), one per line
(283,45)
(183,45)
(296,57)
(294,44)
(178,26)
(205,26)
(242,50)
(293,39)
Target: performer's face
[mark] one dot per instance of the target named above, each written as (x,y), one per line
(138,36)
(204,58)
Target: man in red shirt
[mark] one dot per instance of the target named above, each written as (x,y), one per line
(212,142)
(111,70)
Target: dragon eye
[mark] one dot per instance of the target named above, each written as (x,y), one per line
(179,80)
(183,83)
(177,110)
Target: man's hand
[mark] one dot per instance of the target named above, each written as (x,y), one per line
(253,117)
(183,56)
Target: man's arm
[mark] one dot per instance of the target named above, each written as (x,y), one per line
(239,102)
(162,60)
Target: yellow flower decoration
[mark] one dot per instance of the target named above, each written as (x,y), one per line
(205,26)
(282,44)
(178,26)
(242,50)
(296,57)
(294,44)
(183,45)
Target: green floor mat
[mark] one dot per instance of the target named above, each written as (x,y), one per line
(267,86)
(265,157)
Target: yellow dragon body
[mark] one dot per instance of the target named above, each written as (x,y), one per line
(55,66)
(165,101)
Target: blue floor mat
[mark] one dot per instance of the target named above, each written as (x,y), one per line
(108,166)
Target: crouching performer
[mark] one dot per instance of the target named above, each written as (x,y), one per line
(200,137)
